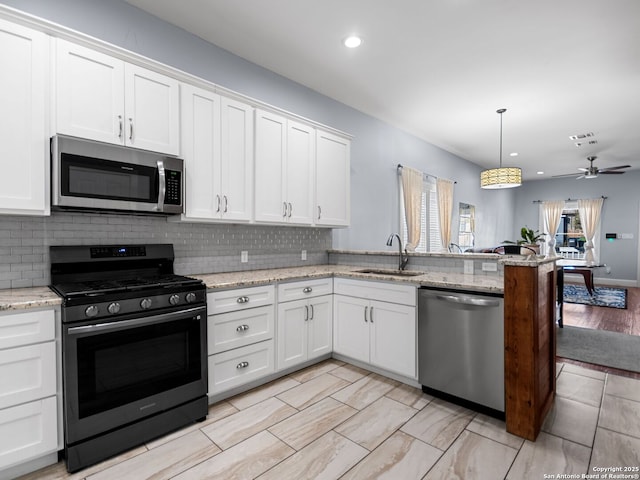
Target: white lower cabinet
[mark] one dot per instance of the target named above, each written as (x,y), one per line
(28,387)
(240,331)
(380,333)
(305,321)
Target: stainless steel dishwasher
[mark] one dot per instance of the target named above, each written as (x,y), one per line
(461,347)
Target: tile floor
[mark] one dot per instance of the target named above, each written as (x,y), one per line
(334,420)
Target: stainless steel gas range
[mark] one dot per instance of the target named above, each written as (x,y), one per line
(134,347)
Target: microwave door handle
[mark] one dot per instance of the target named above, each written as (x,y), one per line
(162,188)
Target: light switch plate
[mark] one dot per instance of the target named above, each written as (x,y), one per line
(489,267)
(244,256)
(304,255)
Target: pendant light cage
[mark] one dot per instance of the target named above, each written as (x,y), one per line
(502,177)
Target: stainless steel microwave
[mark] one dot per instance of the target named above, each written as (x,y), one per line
(90,175)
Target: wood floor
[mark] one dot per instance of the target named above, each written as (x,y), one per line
(603,318)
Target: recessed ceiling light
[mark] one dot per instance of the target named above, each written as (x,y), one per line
(540,172)
(513,154)
(352,41)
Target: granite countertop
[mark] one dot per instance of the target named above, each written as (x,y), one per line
(21,298)
(38,297)
(480,283)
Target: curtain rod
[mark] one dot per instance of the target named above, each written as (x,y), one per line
(567,199)
(399,167)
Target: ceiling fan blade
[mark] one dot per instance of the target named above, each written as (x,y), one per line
(614,168)
(583,169)
(610,172)
(581,176)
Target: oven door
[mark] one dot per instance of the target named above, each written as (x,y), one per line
(121,372)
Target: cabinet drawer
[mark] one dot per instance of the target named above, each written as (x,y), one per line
(304,289)
(239,298)
(28,431)
(33,326)
(237,329)
(242,365)
(27,373)
(383,291)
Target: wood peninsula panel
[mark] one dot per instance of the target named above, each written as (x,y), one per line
(530,346)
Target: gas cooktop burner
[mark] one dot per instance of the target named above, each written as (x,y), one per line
(100,287)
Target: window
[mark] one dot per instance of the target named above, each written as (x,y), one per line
(429,221)
(570,238)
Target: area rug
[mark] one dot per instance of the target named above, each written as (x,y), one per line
(602,296)
(600,347)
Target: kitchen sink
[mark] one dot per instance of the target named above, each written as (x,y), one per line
(396,273)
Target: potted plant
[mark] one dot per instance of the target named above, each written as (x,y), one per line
(530,239)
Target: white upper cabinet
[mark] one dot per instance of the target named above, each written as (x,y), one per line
(285,157)
(24,149)
(333,200)
(217,147)
(102,98)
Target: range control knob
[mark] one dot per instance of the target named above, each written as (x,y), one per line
(145,303)
(91,311)
(190,297)
(114,308)
(174,299)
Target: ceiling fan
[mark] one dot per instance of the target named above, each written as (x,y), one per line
(593,172)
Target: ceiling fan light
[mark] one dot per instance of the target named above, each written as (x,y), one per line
(503,177)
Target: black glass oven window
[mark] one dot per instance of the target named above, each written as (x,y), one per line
(97,178)
(121,367)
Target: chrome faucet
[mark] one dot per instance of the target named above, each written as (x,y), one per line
(403,260)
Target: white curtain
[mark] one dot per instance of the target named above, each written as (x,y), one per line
(444,189)
(552,212)
(412,196)
(590,211)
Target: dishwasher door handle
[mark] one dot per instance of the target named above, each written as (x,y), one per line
(476,302)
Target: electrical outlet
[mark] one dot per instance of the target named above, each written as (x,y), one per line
(468,267)
(489,267)
(244,256)
(304,255)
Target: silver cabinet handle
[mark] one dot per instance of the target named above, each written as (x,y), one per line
(307,290)
(218,202)
(120,126)
(306,313)
(243,299)
(319,212)
(365,313)
(130,128)
(371,314)
(226,203)
(242,328)
(290,210)
(312,314)
(284,209)
(242,365)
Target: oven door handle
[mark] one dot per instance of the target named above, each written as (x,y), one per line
(136,322)
(162,188)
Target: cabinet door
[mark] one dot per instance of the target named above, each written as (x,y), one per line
(271,150)
(28,431)
(236,166)
(151,110)
(200,114)
(291,345)
(239,366)
(300,163)
(320,326)
(393,337)
(24,149)
(89,94)
(351,327)
(332,180)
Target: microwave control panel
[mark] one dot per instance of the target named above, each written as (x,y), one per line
(173,194)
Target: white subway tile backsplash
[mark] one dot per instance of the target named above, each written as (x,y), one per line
(199,248)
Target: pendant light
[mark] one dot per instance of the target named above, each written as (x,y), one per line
(503,177)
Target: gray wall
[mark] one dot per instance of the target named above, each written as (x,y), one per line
(376,148)
(620,213)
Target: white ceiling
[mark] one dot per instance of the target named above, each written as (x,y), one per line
(441,68)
